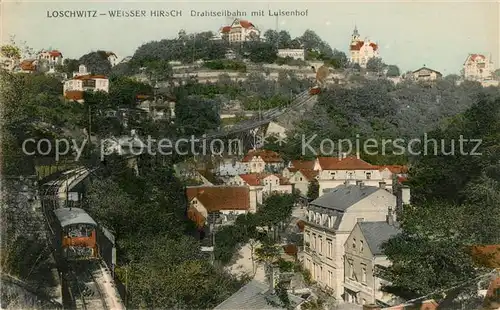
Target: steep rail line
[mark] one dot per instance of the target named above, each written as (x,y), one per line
(88,284)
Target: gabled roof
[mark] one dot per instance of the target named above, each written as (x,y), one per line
(309,174)
(396,169)
(344,196)
(253,179)
(218,198)
(376,233)
(28,65)
(266,155)
(425,68)
(302,164)
(475,57)
(348,163)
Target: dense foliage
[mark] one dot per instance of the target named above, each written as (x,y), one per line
(455,205)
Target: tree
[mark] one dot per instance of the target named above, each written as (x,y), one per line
(267,253)
(10,51)
(195,115)
(339,59)
(375,64)
(271,36)
(496,74)
(96,62)
(159,70)
(392,71)
(260,52)
(313,189)
(428,236)
(284,39)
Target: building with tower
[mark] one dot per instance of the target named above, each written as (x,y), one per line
(362,50)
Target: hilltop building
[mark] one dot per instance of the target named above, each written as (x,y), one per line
(83,81)
(51,58)
(478,67)
(362,50)
(426,74)
(239,31)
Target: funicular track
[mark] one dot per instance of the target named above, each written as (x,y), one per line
(83,281)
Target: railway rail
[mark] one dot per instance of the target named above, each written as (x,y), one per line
(88,283)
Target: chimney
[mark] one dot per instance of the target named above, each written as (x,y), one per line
(389,217)
(274,278)
(382,185)
(371,307)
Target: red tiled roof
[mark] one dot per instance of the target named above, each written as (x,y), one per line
(226,29)
(218,198)
(196,217)
(475,56)
(356,46)
(246,24)
(374,46)
(303,164)
(292,169)
(266,155)
(348,163)
(396,169)
(309,174)
(28,65)
(55,53)
(89,77)
(253,179)
(73,95)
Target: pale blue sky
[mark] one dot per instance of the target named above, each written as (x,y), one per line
(410,33)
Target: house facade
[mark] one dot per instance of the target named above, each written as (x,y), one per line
(224,200)
(336,171)
(330,220)
(239,31)
(254,183)
(426,74)
(51,58)
(302,178)
(259,161)
(363,255)
(362,50)
(478,67)
(74,88)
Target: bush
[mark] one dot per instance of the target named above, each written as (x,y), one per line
(225,65)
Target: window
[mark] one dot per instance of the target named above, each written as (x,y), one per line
(320,273)
(363,279)
(330,278)
(320,245)
(361,245)
(351,271)
(330,249)
(313,244)
(368,175)
(354,243)
(300,178)
(332,175)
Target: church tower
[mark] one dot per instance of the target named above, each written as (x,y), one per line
(355,35)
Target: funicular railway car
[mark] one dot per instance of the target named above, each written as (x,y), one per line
(75,234)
